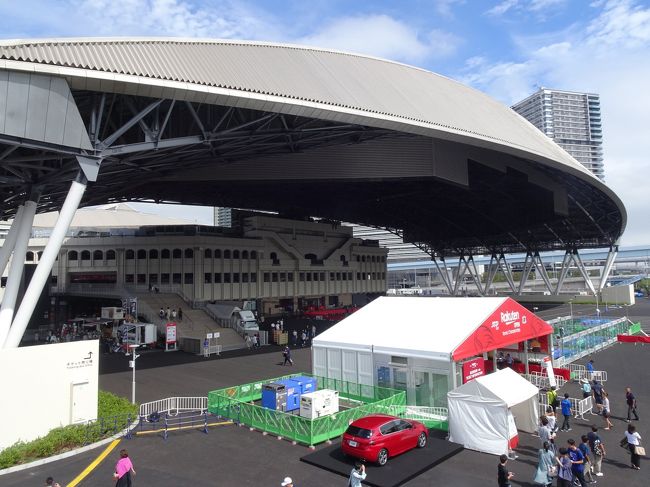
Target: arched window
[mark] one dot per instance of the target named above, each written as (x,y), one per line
(72,255)
(363,258)
(110,255)
(129,254)
(142,254)
(235,254)
(98,255)
(253,254)
(176,253)
(40,254)
(164,254)
(85,255)
(244,254)
(217,253)
(372,259)
(226,254)
(207,254)
(189,253)
(153,253)
(29,257)
(274,258)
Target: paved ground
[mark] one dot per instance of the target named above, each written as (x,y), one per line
(230,455)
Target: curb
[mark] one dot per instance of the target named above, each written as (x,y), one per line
(61,456)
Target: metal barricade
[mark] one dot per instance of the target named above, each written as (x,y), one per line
(576,371)
(174,405)
(584,405)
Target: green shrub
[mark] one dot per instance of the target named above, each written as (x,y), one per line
(112,412)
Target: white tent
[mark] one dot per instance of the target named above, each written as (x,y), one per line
(481,411)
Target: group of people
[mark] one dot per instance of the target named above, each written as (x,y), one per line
(357,475)
(170,315)
(303,337)
(252,341)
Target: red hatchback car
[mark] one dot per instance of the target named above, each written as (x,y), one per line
(377,437)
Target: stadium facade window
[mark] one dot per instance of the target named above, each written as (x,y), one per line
(177,253)
(164,278)
(153,254)
(164,254)
(207,254)
(189,254)
(85,255)
(177,278)
(142,254)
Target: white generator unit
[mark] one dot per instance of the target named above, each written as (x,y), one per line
(319,403)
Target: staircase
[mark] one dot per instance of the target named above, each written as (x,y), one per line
(195,323)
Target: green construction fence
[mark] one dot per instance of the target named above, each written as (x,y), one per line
(237,403)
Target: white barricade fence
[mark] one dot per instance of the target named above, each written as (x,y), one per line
(599,375)
(427,412)
(174,405)
(577,371)
(584,405)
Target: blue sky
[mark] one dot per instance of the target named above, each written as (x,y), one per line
(506,48)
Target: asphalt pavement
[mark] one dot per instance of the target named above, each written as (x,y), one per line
(232,455)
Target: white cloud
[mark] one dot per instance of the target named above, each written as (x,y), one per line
(444,8)
(608,56)
(538,5)
(501,8)
(383,36)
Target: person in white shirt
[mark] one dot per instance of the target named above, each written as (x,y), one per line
(357,475)
(633,440)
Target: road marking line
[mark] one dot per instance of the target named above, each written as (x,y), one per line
(94,464)
(176,428)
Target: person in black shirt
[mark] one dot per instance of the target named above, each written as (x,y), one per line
(503,476)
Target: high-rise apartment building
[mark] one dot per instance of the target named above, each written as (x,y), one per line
(572,120)
(222,216)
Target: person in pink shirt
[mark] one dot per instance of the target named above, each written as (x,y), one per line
(123,470)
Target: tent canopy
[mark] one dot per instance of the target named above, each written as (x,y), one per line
(485,413)
(506,386)
(437,328)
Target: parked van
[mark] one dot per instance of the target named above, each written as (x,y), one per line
(248,322)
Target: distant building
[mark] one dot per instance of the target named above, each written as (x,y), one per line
(222,216)
(572,119)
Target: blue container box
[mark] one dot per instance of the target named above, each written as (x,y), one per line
(274,396)
(307,384)
(292,389)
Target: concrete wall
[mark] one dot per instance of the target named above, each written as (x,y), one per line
(47,386)
(618,295)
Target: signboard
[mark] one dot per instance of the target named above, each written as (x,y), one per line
(171,332)
(209,335)
(130,306)
(216,334)
(549,370)
(473,369)
(510,323)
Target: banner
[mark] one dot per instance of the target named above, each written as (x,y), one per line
(473,369)
(171,332)
(549,371)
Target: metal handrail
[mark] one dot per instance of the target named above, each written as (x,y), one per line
(174,405)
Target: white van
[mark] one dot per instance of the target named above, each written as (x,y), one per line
(248,322)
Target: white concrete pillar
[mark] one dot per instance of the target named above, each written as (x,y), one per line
(44,267)
(16,269)
(10,241)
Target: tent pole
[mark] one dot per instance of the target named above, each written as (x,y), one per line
(494,360)
(526,358)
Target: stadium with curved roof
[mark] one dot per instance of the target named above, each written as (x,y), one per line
(296,130)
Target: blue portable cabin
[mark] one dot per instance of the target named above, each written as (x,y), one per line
(274,396)
(307,384)
(292,389)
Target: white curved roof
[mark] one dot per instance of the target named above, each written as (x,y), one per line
(291,79)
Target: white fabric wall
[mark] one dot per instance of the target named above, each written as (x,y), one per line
(527,414)
(350,365)
(479,424)
(38,388)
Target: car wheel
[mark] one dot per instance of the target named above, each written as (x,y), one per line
(422,440)
(382,457)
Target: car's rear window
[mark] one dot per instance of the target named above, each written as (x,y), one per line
(358,432)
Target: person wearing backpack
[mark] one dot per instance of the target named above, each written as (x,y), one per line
(597,451)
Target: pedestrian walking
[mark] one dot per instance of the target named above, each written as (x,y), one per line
(586,452)
(161,313)
(50,482)
(248,342)
(577,463)
(590,369)
(168,313)
(606,411)
(597,451)
(630,399)
(597,390)
(286,353)
(123,470)
(254,341)
(180,314)
(294,338)
(586,388)
(552,399)
(546,467)
(174,314)
(313,331)
(503,476)
(206,347)
(565,406)
(564,474)
(633,442)
(303,337)
(287,482)
(545,433)
(357,474)
(552,420)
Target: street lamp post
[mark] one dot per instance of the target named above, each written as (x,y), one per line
(571,308)
(132,365)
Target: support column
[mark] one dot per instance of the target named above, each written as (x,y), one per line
(10,241)
(16,269)
(44,267)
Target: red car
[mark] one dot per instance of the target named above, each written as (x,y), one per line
(377,437)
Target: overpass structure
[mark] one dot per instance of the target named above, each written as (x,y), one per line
(300,131)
